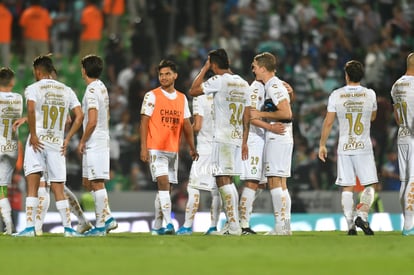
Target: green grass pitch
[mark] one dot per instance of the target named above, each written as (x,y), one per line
(140,253)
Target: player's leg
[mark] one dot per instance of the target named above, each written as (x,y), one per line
(215,210)
(6,169)
(366,171)
(83,223)
(246,205)
(190,210)
(43,206)
(157,228)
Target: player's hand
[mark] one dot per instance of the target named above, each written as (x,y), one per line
(194,154)
(64,147)
(81,148)
(18,123)
(245,151)
(144,155)
(255,114)
(323,153)
(278,128)
(35,143)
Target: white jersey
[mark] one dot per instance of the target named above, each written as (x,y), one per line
(11,108)
(402,94)
(53,101)
(230,97)
(353,106)
(276,91)
(96,97)
(257,98)
(203,106)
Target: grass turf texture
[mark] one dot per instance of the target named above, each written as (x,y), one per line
(141,253)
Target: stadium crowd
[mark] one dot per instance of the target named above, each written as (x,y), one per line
(311,39)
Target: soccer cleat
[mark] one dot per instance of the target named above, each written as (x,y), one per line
(110,224)
(248,231)
(160,231)
(364,226)
(70,232)
(83,227)
(169,230)
(352,232)
(38,232)
(96,232)
(408,232)
(184,231)
(211,230)
(228,231)
(27,232)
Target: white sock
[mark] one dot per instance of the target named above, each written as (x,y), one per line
(246,206)
(31,206)
(288,204)
(228,198)
(215,207)
(64,211)
(347,201)
(408,206)
(165,202)
(5,210)
(192,206)
(74,205)
(101,212)
(277,194)
(158,213)
(365,202)
(42,208)
(235,201)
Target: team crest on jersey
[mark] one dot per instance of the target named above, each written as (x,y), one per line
(254,170)
(92,90)
(274,86)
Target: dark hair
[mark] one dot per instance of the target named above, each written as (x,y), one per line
(355,70)
(93,65)
(6,75)
(44,63)
(167,64)
(220,58)
(266,60)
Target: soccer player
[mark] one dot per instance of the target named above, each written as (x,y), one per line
(231,129)
(403,100)
(11,105)
(201,174)
(355,107)
(48,104)
(94,143)
(252,170)
(277,166)
(164,115)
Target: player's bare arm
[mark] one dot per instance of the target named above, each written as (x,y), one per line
(276,128)
(144,132)
(283,112)
(77,123)
(290,91)
(189,137)
(246,129)
(326,129)
(31,120)
(90,127)
(19,122)
(196,89)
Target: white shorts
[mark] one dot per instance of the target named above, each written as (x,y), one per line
(7,165)
(164,164)
(352,166)
(226,159)
(49,160)
(278,159)
(201,173)
(252,168)
(406,162)
(95,162)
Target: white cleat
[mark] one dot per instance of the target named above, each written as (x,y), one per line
(83,227)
